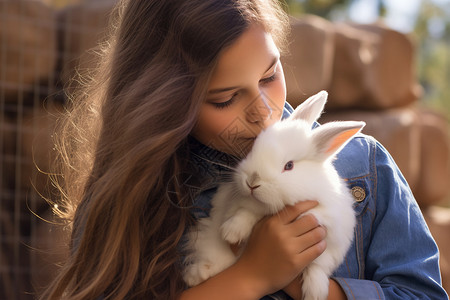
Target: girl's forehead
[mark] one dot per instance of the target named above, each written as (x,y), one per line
(253,52)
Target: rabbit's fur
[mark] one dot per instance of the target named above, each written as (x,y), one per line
(267,168)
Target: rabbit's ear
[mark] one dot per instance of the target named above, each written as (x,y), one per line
(330,138)
(311,109)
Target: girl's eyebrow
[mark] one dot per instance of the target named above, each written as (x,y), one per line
(226,89)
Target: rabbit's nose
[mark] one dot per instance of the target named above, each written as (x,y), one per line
(252,187)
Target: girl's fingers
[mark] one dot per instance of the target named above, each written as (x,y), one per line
(310,239)
(311,253)
(304,224)
(291,213)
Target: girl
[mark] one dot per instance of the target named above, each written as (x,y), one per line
(184,88)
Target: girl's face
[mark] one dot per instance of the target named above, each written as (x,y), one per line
(246,94)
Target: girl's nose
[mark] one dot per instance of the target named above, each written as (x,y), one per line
(259,110)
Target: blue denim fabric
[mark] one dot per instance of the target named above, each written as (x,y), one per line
(393,255)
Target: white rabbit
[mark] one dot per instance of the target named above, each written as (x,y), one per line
(288,163)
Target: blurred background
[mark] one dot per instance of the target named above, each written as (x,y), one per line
(384,62)
(426,22)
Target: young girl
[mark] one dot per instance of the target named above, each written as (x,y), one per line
(184,88)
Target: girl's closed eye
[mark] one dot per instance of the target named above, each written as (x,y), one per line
(225,104)
(275,73)
(269,79)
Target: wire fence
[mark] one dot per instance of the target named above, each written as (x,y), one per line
(40,43)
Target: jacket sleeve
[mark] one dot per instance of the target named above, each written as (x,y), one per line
(401,259)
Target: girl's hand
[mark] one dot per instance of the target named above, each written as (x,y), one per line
(294,289)
(281,246)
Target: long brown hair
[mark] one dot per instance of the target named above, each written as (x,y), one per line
(124,140)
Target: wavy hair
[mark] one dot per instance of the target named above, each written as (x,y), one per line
(124,139)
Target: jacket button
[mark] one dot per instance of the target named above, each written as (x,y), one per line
(358,193)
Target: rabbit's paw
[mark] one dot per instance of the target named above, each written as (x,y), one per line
(198,272)
(236,229)
(315,283)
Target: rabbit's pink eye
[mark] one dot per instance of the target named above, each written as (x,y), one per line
(289,165)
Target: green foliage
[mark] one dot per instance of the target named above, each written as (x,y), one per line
(321,8)
(324,8)
(62,3)
(434,57)
(293,7)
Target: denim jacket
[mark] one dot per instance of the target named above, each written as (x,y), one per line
(393,255)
